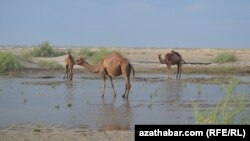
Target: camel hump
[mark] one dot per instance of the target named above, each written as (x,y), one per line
(117,54)
(177,53)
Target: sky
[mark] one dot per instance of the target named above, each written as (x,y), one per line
(127,23)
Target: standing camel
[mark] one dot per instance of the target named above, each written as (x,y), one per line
(172,58)
(69,64)
(112,65)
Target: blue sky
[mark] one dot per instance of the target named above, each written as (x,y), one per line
(127,23)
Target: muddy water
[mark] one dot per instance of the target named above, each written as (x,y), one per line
(153,100)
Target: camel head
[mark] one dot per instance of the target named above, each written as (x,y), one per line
(79,61)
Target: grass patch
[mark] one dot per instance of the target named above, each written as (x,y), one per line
(37,128)
(44,49)
(95,56)
(9,61)
(225,110)
(225,58)
(86,52)
(27,57)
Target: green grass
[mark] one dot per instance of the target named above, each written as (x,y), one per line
(225,58)
(225,110)
(86,52)
(95,56)
(27,57)
(9,62)
(44,49)
(37,130)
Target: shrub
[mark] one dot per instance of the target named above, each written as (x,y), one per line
(44,49)
(98,55)
(9,61)
(85,53)
(26,56)
(95,56)
(225,58)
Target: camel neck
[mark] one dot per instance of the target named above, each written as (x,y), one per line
(89,67)
(161,60)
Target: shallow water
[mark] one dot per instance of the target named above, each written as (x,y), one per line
(153,100)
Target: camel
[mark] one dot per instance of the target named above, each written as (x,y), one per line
(172,58)
(111,66)
(69,64)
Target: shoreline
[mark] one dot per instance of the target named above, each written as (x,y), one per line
(229,69)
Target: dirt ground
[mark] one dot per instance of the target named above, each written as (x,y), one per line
(53,133)
(143,59)
(146,60)
(141,56)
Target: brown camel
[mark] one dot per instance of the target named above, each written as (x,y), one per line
(69,64)
(172,58)
(112,65)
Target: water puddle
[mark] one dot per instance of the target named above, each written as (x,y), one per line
(78,103)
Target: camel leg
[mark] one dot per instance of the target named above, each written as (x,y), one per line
(104,84)
(178,70)
(112,85)
(127,86)
(66,72)
(126,74)
(125,94)
(71,73)
(169,71)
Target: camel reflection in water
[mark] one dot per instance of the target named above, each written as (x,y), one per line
(69,95)
(115,117)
